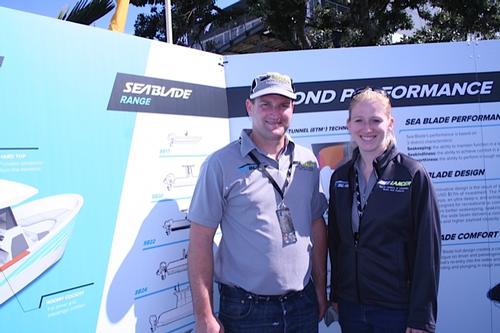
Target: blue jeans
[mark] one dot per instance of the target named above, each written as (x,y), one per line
(244,312)
(363,318)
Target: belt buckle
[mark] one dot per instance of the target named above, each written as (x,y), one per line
(288,295)
(263,298)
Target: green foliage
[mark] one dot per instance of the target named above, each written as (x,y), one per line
(373,22)
(455,20)
(336,23)
(151,25)
(190,19)
(285,19)
(344,23)
(87,12)
(360,23)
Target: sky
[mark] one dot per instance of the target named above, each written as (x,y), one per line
(52,8)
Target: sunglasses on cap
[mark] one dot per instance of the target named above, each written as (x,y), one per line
(368,88)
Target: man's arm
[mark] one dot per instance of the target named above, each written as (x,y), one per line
(319,263)
(201,268)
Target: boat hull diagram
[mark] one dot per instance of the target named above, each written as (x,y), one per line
(33,236)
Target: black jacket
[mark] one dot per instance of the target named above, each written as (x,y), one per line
(395,263)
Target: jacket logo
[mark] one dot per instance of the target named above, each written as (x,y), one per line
(394,185)
(248,167)
(342,184)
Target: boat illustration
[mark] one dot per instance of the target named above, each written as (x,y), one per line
(182,309)
(188,179)
(171,225)
(175,266)
(178,265)
(33,235)
(174,139)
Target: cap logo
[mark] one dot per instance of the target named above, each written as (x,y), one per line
(272,83)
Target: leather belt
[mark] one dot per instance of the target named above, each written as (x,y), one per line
(226,290)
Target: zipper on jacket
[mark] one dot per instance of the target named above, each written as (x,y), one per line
(357,274)
(355,237)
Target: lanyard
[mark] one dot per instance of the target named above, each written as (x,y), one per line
(361,207)
(281,191)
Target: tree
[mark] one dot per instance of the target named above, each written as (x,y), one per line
(190,20)
(285,19)
(350,23)
(455,20)
(87,12)
(151,26)
(361,23)
(335,23)
(343,23)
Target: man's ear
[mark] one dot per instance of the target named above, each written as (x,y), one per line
(249,105)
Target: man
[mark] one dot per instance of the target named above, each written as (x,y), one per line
(263,191)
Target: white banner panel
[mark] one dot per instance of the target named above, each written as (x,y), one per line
(446,101)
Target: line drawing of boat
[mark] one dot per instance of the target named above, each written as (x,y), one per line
(172,225)
(33,235)
(174,266)
(174,139)
(182,309)
(189,179)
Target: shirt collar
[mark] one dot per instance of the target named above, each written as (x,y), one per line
(247,145)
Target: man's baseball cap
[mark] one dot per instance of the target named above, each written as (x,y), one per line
(272,83)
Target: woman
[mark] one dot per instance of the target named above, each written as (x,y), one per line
(384,232)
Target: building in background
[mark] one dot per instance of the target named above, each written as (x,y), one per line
(249,34)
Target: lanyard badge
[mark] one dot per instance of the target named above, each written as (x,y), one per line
(283,212)
(286,225)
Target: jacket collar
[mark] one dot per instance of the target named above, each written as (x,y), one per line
(247,145)
(380,162)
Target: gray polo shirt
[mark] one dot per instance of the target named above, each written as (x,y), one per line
(233,193)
